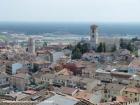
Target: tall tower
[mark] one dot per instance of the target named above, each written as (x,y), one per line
(93,36)
(31,45)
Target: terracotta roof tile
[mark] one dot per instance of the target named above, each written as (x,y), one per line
(123,99)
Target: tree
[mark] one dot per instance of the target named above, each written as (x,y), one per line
(100,47)
(76,54)
(70,47)
(103,47)
(121,43)
(124,43)
(134,39)
(45,44)
(130,47)
(84,48)
(79,46)
(80,49)
(114,48)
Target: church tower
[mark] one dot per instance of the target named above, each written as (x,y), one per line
(31,45)
(93,36)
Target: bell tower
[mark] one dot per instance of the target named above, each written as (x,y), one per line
(93,36)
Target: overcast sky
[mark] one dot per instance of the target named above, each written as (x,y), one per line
(70,10)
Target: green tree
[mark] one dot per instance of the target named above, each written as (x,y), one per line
(79,46)
(76,54)
(114,48)
(135,39)
(45,44)
(80,49)
(130,47)
(100,47)
(123,44)
(84,48)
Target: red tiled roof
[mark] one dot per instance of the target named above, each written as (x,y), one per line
(123,99)
(82,95)
(67,90)
(31,92)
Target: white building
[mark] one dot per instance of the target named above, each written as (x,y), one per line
(51,56)
(57,55)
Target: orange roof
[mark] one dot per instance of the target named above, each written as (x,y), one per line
(67,90)
(43,52)
(133,90)
(82,95)
(31,92)
(41,62)
(65,71)
(123,99)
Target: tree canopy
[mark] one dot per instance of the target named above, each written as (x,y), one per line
(101,47)
(80,49)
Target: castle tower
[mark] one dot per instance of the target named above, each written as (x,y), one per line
(93,36)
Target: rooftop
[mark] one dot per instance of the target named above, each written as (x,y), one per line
(59,100)
(133,90)
(135,63)
(123,99)
(65,71)
(19,95)
(83,95)
(41,62)
(114,87)
(3,75)
(121,75)
(21,75)
(69,91)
